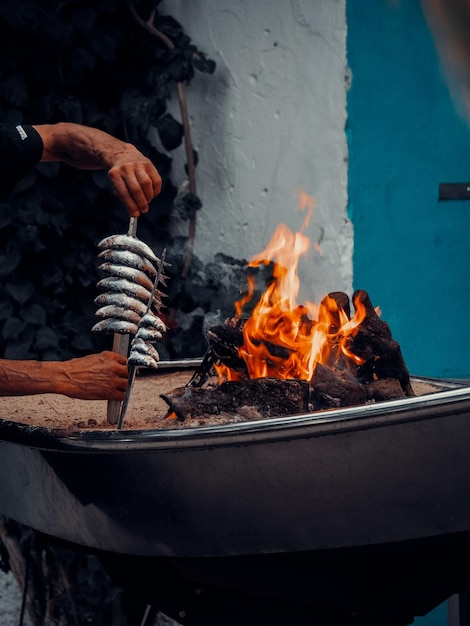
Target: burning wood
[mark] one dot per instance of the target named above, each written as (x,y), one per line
(358,367)
(373,342)
(288,359)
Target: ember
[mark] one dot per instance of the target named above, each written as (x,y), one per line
(329,356)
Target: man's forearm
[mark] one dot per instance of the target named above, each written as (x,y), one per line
(101,376)
(134,178)
(29,377)
(81,146)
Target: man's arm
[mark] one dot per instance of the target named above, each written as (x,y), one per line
(135,179)
(102,376)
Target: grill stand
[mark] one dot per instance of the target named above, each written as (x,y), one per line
(385,585)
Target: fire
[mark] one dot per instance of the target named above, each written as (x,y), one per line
(283,339)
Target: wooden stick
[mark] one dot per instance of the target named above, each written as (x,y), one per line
(121,346)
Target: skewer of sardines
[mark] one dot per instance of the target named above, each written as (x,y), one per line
(143,353)
(131,301)
(132,267)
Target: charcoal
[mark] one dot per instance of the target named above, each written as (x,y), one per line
(268,397)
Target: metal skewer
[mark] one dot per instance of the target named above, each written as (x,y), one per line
(133,368)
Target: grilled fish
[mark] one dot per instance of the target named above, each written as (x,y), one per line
(148,334)
(121,285)
(121,300)
(129,259)
(138,359)
(125,242)
(149,320)
(129,273)
(119,313)
(112,325)
(144,347)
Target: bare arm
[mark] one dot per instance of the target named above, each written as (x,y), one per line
(135,179)
(102,376)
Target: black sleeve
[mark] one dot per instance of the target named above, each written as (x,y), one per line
(20,150)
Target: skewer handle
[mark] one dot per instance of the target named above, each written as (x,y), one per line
(132,231)
(121,346)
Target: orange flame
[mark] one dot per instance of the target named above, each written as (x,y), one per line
(281,338)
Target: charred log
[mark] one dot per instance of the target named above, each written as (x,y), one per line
(255,398)
(332,388)
(225,341)
(374,324)
(333,304)
(374,344)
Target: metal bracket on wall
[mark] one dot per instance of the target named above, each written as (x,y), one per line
(454,191)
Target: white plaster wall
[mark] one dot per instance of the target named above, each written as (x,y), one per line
(269,122)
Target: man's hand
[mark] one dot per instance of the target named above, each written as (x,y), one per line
(134,178)
(135,181)
(102,376)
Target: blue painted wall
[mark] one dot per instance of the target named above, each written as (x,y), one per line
(405,137)
(437,617)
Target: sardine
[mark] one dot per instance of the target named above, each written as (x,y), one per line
(111,325)
(148,334)
(125,242)
(121,285)
(150,320)
(144,347)
(129,259)
(141,360)
(119,313)
(129,273)
(121,300)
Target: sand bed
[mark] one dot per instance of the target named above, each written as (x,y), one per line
(147,410)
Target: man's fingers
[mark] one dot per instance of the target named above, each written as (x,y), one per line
(134,195)
(135,185)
